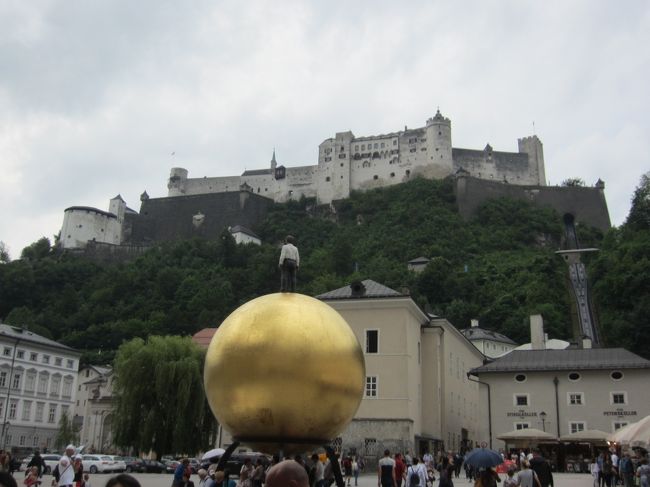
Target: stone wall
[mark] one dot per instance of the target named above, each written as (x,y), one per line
(204,215)
(587,205)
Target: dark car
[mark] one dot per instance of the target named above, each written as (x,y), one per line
(236,461)
(145,466)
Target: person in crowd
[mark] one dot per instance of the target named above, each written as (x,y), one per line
(86,481)
(32,477)
(542,468)
(347,469)
(288,473)
(643,472)
(246,473)
(257,477)
(64,475)
(123,480)
(527,476)
(601,462)
(5,461)
(355,470)
(316,472)
(607,470)
(427,458)
(203,477)
(386,471)
(7,480)
(408,459)
(221,481)
(614,458)
(489,478)
(594,468)
(626,470)
(416,474)
(400,470)
(289,264)
(179,473)
(511,480)
(458,463)
(38,462)
(78,470)
(447,475)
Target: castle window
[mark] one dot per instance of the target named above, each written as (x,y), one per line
(328,159)
(382,145)
(408,172)
(423,149)
(439,133)
(413,149)
(392,175)
(342,148)
(366,164)
(375,177)
(327,178)
(395,142)
(356,148)
(363,147)
(376,145)
(341,164)
(437,149)
(341,156)
(102,230)
(413,140)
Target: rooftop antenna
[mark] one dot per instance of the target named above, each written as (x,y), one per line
(534,133)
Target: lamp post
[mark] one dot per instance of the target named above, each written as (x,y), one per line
(542,416)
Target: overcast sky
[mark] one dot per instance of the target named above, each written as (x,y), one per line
(96,95)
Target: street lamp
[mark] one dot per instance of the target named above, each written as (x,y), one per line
(542,416)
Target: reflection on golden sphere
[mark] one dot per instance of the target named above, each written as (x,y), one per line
(284,372)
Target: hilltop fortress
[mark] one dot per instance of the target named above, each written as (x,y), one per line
(347,163)
(203,207)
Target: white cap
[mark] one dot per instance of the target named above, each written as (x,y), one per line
(70,447)
(78,457)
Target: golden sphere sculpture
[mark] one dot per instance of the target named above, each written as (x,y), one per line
(284,372)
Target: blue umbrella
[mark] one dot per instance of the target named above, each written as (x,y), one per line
(483,458)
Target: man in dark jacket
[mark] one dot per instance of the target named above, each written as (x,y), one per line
(38,462)
(542,468)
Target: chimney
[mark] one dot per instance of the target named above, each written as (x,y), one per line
(586,342)
(474,323)
(537,332)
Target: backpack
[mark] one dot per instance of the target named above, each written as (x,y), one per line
(414,478)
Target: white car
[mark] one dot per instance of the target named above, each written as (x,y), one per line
(97,463)
(119,465)
(51,461)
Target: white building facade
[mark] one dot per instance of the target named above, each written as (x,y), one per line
(418,396)
(491,343)
(83,223)
(94,408)
(38,383)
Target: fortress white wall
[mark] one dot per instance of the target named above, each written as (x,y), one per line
(82,225)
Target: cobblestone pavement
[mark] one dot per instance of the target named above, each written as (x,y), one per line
(165,480)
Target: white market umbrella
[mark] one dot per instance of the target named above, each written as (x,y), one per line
(635,434)
(214,453)
(587,436)
(529,434)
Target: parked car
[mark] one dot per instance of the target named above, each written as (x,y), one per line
(97,463)
(51,461)
(236,461)
(119,465)
(170,465)
(145,466)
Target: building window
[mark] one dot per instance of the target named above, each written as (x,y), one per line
(30,381)
(7,352)
(67,387)
(370,446)
(46,359)
(413,149)
(20,354)
(55,386)
(42,384)
(15,384)
(382,145)
(408,172)
(70,363)
(575,399)
(51,415)
(21,440)
(372,341)
(617,425)
(13,407)
(576,426)
(395,142)
(520,378)
(33,356)
(27,410)
(375,177)
(35,441)
(40,407)
(371,386)
(392,175)
(522,426)
(619,398)
(327,178)
(521,400)
(58,360)
(3,379)
(574,376)
(616,375)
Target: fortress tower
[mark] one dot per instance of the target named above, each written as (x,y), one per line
(533,147)
(438,130)
(177,181)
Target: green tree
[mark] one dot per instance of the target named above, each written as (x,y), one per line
(66,434)
(160,404)
(4,253)
(573,182)
(639,216)
(38,250)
